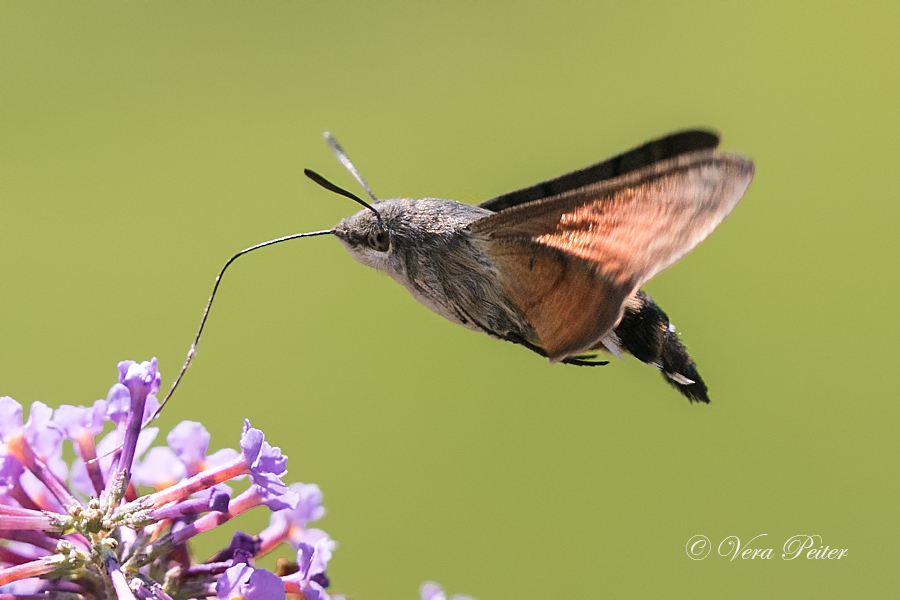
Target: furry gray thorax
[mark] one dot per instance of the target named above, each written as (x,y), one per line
(442,264)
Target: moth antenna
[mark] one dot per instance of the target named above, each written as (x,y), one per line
(339,190)
(345,160)
(193,350)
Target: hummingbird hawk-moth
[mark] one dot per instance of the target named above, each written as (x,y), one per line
(556,267)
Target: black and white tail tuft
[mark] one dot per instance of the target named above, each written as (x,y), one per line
(645,332)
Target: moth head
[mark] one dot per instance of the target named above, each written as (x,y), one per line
(366,234)
(367,237)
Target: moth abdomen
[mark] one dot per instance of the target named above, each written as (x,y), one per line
(646,333)
(679,369)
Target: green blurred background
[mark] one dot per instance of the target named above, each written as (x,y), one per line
(143,144)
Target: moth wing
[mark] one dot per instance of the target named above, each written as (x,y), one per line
(563,297)
(663,148)
(569,262)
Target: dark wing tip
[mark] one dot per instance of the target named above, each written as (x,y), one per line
(651,152)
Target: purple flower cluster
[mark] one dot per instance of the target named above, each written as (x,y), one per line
(82,530)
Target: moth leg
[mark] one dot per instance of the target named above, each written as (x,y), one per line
(584,361)
(517,339)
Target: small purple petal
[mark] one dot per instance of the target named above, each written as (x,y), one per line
(81,420)
(160,469)
(218,501)
(285,501)
(10,472)
(293,521)
(190,441)
(118,403)
(79,479)
(321,579)
(220,457)
(264,585)
(58,467)
(219,488)
(10,418)
(315,592)
(271,462)
(71,419)
(431,591)
(150,408)
(44,436)
(146,438)
(242,542)
(240,555)
(305,553)
(247,583)
(228,586)
(251,440)
(322,546)
(140,378)
(308,576)
(267,466)
(309,507)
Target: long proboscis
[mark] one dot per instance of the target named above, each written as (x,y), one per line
(193,350)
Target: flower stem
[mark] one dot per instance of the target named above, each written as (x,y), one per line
(20,448)
(120,584)
(35,538)
(7,510)
(182,509)
(122,472)
(34,568)
(292,587)
(89,455)
(244,502)
(271,537)
(21,496)
(41,523)
(199,482)
(12,557)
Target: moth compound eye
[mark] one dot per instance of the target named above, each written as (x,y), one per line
(379,240)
